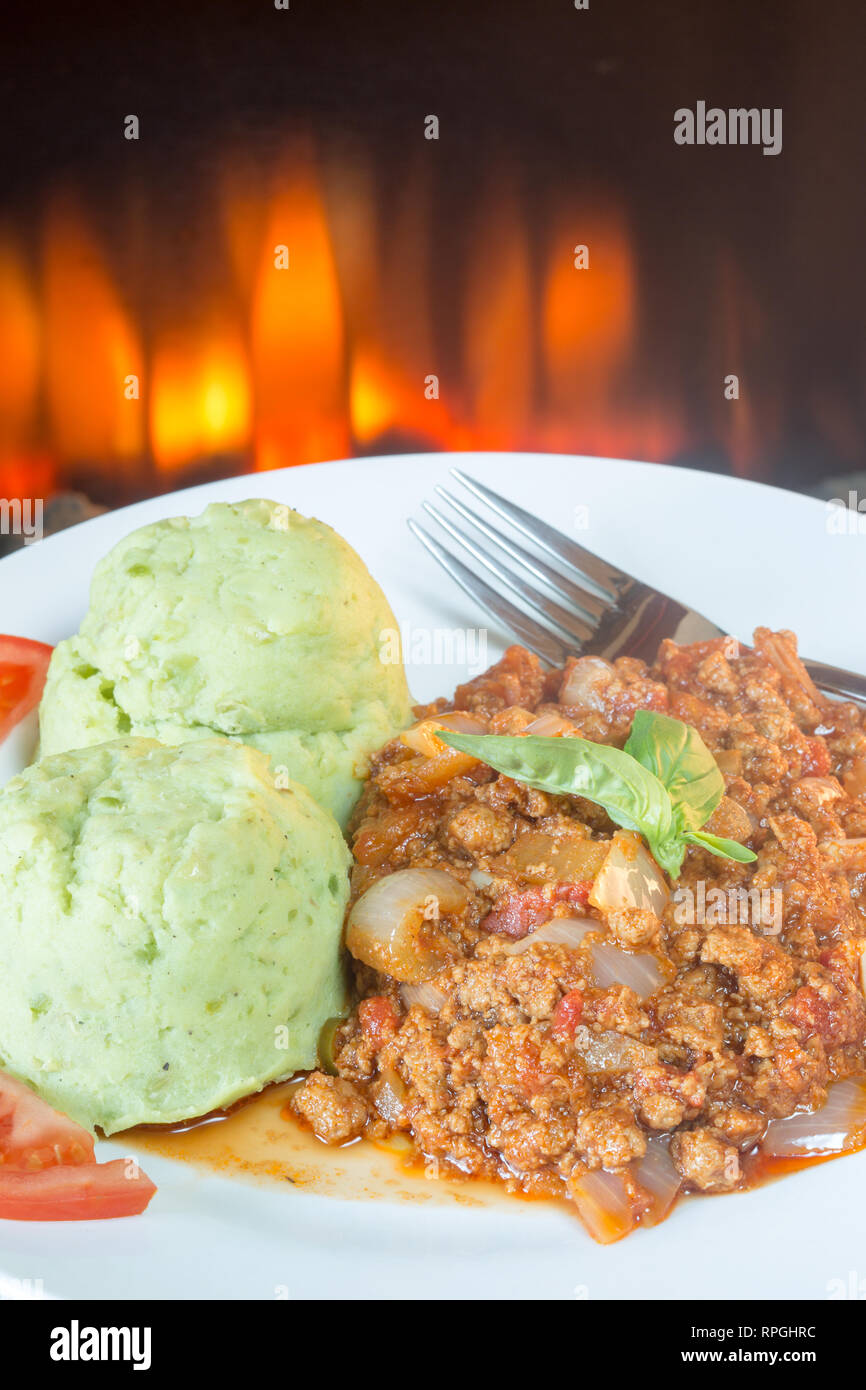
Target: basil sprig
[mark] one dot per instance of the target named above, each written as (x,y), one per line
(680,759)
(664,784)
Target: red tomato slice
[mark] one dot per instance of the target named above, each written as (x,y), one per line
(33,1136)
(83,1192)
(23,667)
(521,912)
(567,1014)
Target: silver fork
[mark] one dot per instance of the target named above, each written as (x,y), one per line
(602,611)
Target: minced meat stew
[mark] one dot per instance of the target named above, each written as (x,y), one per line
(540,1005)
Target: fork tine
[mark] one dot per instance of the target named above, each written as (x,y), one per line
(590,604)
(570,624)
(537,638)
(604,576)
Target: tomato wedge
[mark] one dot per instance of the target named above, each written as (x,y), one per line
(23,667)
(48,1171)
(33,1136)
(80,1192)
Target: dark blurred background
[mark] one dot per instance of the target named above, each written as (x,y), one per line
(148,339)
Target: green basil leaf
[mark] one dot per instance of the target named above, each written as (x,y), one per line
(717,844)
(669,853)
(631,794)
(683,763)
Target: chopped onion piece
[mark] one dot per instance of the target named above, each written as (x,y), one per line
(427,995)
(603,1205)
(479,878)
(541,857)
(823,789)
(588,681)
(658,1175)
(558,931)
(390,1092)
(729,761)
(421,738)
(399,1144)
(641,971)
(782,653)
(609,1051)
(630,877)
(837,1127)
(550,725)
(462,722)
(394,926)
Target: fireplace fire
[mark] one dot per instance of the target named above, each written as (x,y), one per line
(283,267)
(319,340)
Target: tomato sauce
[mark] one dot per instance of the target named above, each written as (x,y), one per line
(262,1139)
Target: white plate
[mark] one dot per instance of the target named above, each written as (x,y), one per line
(743,554)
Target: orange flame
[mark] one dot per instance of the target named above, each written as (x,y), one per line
(499,337)
(323,334)
(19,351)
(199,396)
(91,347)
(298,350)
(588,326)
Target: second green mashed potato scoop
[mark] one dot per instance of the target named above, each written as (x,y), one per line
(170,929)
(249,621)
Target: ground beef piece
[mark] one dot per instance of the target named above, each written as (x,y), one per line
(842,962)
(526,1069)
(665,1097)
(799,845)
(711,723)
(763,761)
(480,990)
(791,1077)
(736,1125)
(465,1042)
(705,1161)
(705,982)
(764,972)
(529,1142)
(480,829)
(818,800)
(697,1023)
(517,679)
(419,1056)
(536,978)
(378,1019)
(333,1108)
(835,1013)
(438,1139)
(633,926)
(716,673)
(617,1008)
(505,793)
(609,1137)
(730,821)
(601,698)
(355,1054)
